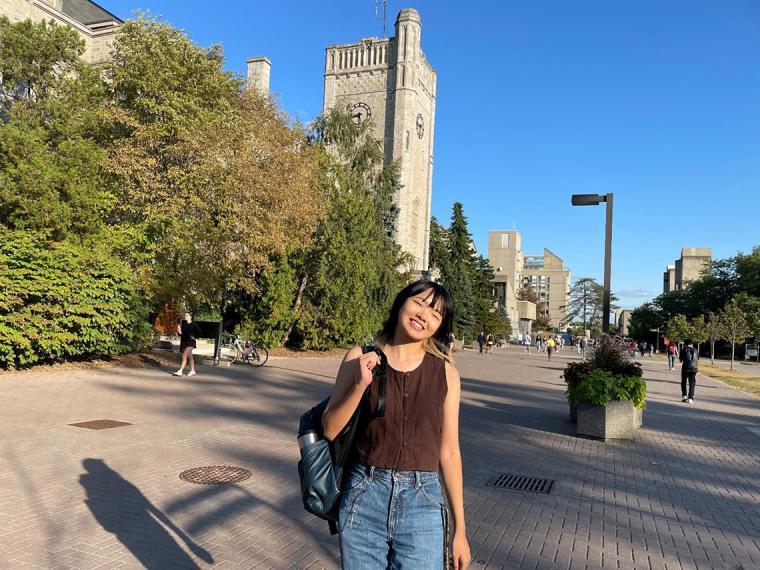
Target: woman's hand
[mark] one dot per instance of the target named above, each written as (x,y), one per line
(366,363)
(461,551)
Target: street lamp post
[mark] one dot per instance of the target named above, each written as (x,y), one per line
(594,200)
(657,344)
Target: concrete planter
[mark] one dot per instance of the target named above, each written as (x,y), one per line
(617,420)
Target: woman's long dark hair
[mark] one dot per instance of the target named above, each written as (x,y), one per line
(440,299)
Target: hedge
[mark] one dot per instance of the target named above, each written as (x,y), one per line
(61,300)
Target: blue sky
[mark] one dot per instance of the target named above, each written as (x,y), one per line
(656,101)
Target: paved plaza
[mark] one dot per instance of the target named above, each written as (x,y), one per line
(684,494)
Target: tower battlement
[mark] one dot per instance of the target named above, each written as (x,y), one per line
(390,82)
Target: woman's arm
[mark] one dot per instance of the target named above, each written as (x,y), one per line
(451,467)
(354,376)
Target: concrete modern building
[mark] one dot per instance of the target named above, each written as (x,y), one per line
(506,257)
(623,320)
(390,82)
(669,279)
(513,270)
(96,25)
(694,260)
(547,276)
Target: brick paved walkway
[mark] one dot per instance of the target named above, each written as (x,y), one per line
(684,494)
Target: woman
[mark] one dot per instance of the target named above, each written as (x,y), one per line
(189,332)
(392,509)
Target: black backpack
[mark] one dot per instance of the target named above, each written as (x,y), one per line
(690,358)
(324,463)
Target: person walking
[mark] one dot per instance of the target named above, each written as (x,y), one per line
(526,343)
(582,346)
(671,356)
(481,341)
(550,344)
(489,344)
(189,332)
(689,368)
(452,342)
(392,510)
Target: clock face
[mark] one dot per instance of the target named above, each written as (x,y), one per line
(360,112)
(420,125)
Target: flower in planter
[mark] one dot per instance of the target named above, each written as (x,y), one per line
(607,374)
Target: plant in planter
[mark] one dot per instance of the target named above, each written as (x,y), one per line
(606,391)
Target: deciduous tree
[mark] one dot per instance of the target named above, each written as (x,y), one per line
(734,325)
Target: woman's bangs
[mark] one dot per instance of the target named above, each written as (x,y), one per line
(438,301)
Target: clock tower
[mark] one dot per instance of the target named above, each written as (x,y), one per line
(389,81)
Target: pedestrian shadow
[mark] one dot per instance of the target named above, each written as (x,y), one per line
(120,508)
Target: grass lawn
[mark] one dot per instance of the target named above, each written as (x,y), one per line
(749,383)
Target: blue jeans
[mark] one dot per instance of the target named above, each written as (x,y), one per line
(391,519)
(672,361)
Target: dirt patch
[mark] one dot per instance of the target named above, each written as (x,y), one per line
(152,359)
(291,353)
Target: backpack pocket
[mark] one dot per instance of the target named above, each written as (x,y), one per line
(319,485)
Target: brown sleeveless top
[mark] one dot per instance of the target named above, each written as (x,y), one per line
(408,437)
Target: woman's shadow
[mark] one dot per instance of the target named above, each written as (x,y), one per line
(122,509)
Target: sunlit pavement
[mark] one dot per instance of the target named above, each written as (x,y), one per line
(684,494)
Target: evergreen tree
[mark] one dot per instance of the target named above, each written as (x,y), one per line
(354,269)
(439,248)
(458,279)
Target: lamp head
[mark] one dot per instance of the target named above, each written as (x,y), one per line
(587,199)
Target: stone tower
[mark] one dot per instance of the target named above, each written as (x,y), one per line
(390,81)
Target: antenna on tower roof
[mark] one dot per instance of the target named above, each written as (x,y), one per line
(381,13)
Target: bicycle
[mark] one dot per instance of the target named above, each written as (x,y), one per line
(234,347)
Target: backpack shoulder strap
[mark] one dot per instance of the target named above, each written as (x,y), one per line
(379,372)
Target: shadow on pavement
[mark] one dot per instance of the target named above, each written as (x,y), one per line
(120,508)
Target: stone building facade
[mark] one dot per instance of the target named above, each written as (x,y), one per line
(95,25)
(390,82)
(694,260)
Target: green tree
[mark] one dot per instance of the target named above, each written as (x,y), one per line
(354,269)
(678,329)
(586,303)
(35,57)
(644,319)
(748,271)
(714,332)
(487,316)
(61,300)
(699,330)
(459,277)
(439,248)
(734,325)
(52,142)
(205,171)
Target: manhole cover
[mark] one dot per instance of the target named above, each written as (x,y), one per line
(521,483)
(215,475)
(100,424)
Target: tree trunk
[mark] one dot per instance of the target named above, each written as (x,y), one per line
(712,352)
(732,355)
(296,306)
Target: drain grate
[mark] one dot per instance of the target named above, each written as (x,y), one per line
(215,475)
(100,424)
(521,483)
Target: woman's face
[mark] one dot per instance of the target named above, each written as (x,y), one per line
(188,318)
(417,319)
